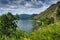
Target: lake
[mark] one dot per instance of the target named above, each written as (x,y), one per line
(25,25)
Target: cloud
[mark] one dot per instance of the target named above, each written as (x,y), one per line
(25,6)
(26,3)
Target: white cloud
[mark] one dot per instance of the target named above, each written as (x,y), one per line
(22,6)
(28,4)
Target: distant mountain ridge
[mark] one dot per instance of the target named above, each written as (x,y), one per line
(26,16)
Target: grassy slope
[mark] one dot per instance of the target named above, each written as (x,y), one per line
(49,32)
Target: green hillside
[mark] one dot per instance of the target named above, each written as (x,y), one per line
(49,32)
(49,16)
(50,12)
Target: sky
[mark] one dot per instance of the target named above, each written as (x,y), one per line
(25,6)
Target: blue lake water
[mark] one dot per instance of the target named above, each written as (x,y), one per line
(25,25)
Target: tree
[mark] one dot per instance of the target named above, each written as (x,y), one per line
(6,23)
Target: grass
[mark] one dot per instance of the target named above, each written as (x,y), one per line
(49,32)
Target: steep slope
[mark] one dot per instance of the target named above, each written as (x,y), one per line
(50,12)
(49,16)
(49,32)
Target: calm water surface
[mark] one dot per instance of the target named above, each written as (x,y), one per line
(25,25)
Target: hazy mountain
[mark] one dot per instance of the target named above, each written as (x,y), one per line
(26,16)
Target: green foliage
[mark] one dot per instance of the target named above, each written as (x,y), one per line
(16,35)
(8,27)
(43,22)
(6,24)
(47,21)
(49,32)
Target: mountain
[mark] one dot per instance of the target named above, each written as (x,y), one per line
(26,16)
(52,11)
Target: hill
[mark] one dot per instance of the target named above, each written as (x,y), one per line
(49,32)
(50,15)
(26,16)
(49,12)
